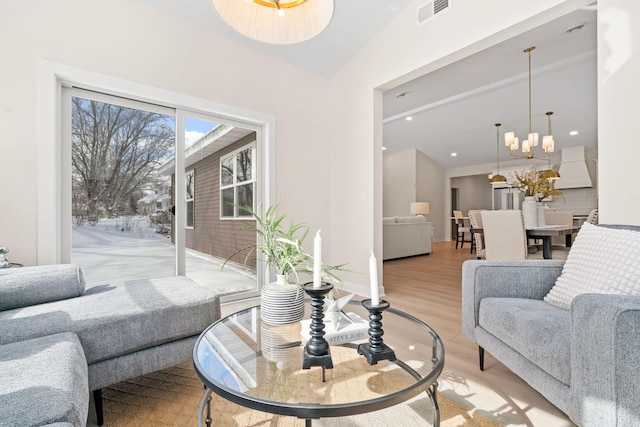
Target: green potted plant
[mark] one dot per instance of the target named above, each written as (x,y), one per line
(279,245)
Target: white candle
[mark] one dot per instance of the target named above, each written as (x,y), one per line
(373,274)
(317,260)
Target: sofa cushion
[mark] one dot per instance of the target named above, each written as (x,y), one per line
(410,219)
(389,220)
(117,319)
(602,261)
(537,330)
(21,287)
(43,381)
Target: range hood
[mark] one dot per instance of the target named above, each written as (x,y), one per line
(573,169)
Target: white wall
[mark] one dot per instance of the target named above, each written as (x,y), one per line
(474,192)
(399,182)
(429,188)
(410,176)
(618,87)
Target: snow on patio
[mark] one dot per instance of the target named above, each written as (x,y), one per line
(125,248)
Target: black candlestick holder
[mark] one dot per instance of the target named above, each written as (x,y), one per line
(316,351)
(376,349)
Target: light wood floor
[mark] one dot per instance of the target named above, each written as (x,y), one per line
(429,287)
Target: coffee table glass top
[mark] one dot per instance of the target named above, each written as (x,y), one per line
(260,366)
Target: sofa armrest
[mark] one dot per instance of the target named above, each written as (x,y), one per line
(27,286)
(605,355)
(503,279)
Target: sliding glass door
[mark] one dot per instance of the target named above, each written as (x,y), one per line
(149,192)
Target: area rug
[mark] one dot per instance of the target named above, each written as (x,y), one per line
(172,397)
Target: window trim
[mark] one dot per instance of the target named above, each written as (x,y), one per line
(253,181)
(192,200)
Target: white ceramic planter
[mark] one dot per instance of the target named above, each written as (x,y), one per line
(530,212)
(542,219)
(282,303)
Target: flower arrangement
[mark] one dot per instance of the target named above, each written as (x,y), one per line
(531,184)
(281,246)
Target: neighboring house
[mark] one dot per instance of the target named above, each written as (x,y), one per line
(219,174)
(153,203)
(146,205)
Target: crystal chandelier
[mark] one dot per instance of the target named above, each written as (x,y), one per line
(276,21)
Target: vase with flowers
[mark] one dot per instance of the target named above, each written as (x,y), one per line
(279,245)
(535,189)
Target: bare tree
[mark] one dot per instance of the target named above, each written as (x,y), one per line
(115,151)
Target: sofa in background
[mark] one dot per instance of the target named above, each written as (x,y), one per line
(59,341)
(582,355)
(404,236)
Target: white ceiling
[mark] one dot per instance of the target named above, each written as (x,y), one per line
(325,54)
(454,109)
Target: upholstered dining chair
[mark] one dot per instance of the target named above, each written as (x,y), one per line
(475,218)
(593,217)
(462,229)
(504,234)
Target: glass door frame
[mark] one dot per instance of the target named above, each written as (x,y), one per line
(54,154)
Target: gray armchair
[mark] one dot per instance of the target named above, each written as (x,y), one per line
(584,360)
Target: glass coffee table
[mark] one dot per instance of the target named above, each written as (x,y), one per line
(259,366)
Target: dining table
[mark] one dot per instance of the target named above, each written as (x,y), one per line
(545,234)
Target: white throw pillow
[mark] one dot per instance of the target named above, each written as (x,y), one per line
(601,261)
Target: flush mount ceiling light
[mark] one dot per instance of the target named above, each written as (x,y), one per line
(276,21)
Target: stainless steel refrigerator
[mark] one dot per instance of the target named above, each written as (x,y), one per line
(506,198)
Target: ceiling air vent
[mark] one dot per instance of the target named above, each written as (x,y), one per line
(429,10)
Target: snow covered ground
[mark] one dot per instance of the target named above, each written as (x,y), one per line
(118,249)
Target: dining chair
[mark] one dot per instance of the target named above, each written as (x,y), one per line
(593,217)
(462,230)
(475,219)
(504,234)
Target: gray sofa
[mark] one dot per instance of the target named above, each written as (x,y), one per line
(59,341)
(404,236)
(585,360)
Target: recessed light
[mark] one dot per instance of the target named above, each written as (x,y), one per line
(454,154)
(409,118)
(573,133)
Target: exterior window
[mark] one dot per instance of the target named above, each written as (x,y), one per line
(237,180)
(189,196)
